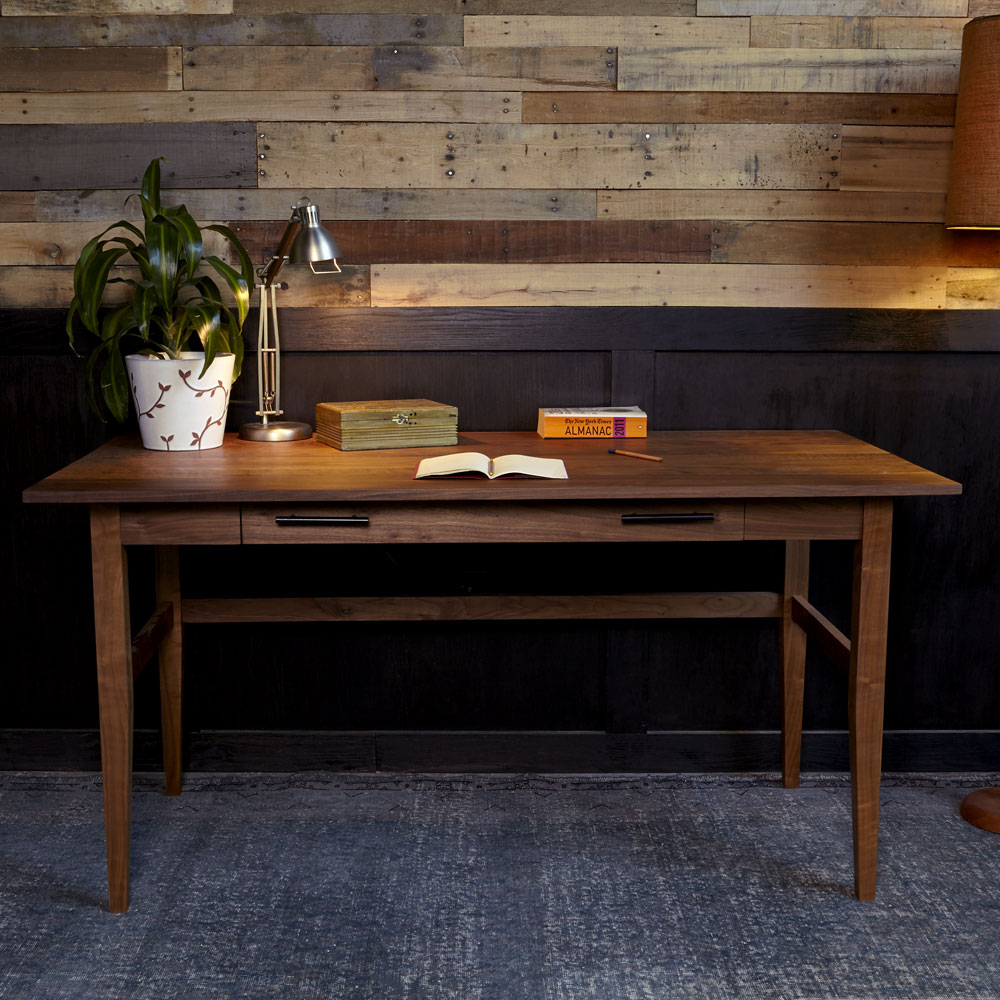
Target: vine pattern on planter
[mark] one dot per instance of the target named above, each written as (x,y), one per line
(196,438)
(158,405)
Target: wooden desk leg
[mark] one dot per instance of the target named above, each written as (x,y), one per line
(869,626)
(114,687)
(168,588)
(793,661)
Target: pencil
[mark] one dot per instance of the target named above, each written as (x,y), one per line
(635,454)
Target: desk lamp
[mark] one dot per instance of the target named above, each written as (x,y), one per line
(974,203)
(304,241)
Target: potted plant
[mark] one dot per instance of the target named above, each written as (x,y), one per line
(144,343)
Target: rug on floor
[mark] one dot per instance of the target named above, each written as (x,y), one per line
(497,887)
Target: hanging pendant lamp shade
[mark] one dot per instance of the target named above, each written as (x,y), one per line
(974,180)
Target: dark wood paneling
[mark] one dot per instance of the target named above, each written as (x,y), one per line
(847,243)
(115,156)
(90,69)
(627,330)
(705,106)
(478,242)
(222,29)
(277,751)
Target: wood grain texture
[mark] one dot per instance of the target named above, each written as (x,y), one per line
(851,243)
(780,285)
(708,106)
(793,661)
(17,206)
(835,646)
(89,69)
(483,607)
(115,156)
(224,106)
(46,243)
(973,288)
(113,637)
(898,71)
(320,67)
(866,694)
(816,206)
(362,203)
(818,32)
(833,8)
(498,242)
(59,8)
(606,30)
(661,8)
(213,524)
(698,465)
(898,159)
(31,287)
(538,156)
(983,8)
(207,29)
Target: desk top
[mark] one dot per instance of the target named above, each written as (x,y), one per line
(696,464)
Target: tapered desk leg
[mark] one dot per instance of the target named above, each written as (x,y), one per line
(168,588)
(114,687)
(866,695)
(793,661)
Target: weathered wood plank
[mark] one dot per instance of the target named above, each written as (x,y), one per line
(659,8)
(224,105)
(834,206)
(895,159)
(58,8)
(537,156)
(851,243)
(983,8)
(321,67)
(778,285)
(708,106)
(973,288)
(17,206)
(206,29)
(496,242)
(607,30)
(834,8)
(361,203)
(90,69)
(52,287)
(857,32)
(115,156)
(896,71)
(54,243)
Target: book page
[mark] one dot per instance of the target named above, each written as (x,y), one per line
(450,465)
(527,465)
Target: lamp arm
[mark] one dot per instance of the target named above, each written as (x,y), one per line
(269,271)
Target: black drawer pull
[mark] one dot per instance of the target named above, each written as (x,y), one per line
(354,519)
(665,518)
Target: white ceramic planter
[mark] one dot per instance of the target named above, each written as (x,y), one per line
(177,410)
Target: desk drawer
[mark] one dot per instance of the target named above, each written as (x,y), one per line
(381,523)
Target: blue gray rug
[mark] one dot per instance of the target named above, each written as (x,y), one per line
(497,888)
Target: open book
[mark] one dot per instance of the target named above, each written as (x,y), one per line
(469,464)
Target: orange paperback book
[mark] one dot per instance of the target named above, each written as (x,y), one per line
(591,422)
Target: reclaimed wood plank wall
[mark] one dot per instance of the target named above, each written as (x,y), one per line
(486,153)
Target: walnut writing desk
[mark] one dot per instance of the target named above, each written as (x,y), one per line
(792,486)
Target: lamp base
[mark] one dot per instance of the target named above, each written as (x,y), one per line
(276,430)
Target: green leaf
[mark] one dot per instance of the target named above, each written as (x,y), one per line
(246,266)
(190,237)
(73,307)
(205,320)
(143,303)
(162,242)
(93,279)
(114,382)
(237,285)
(151,186)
